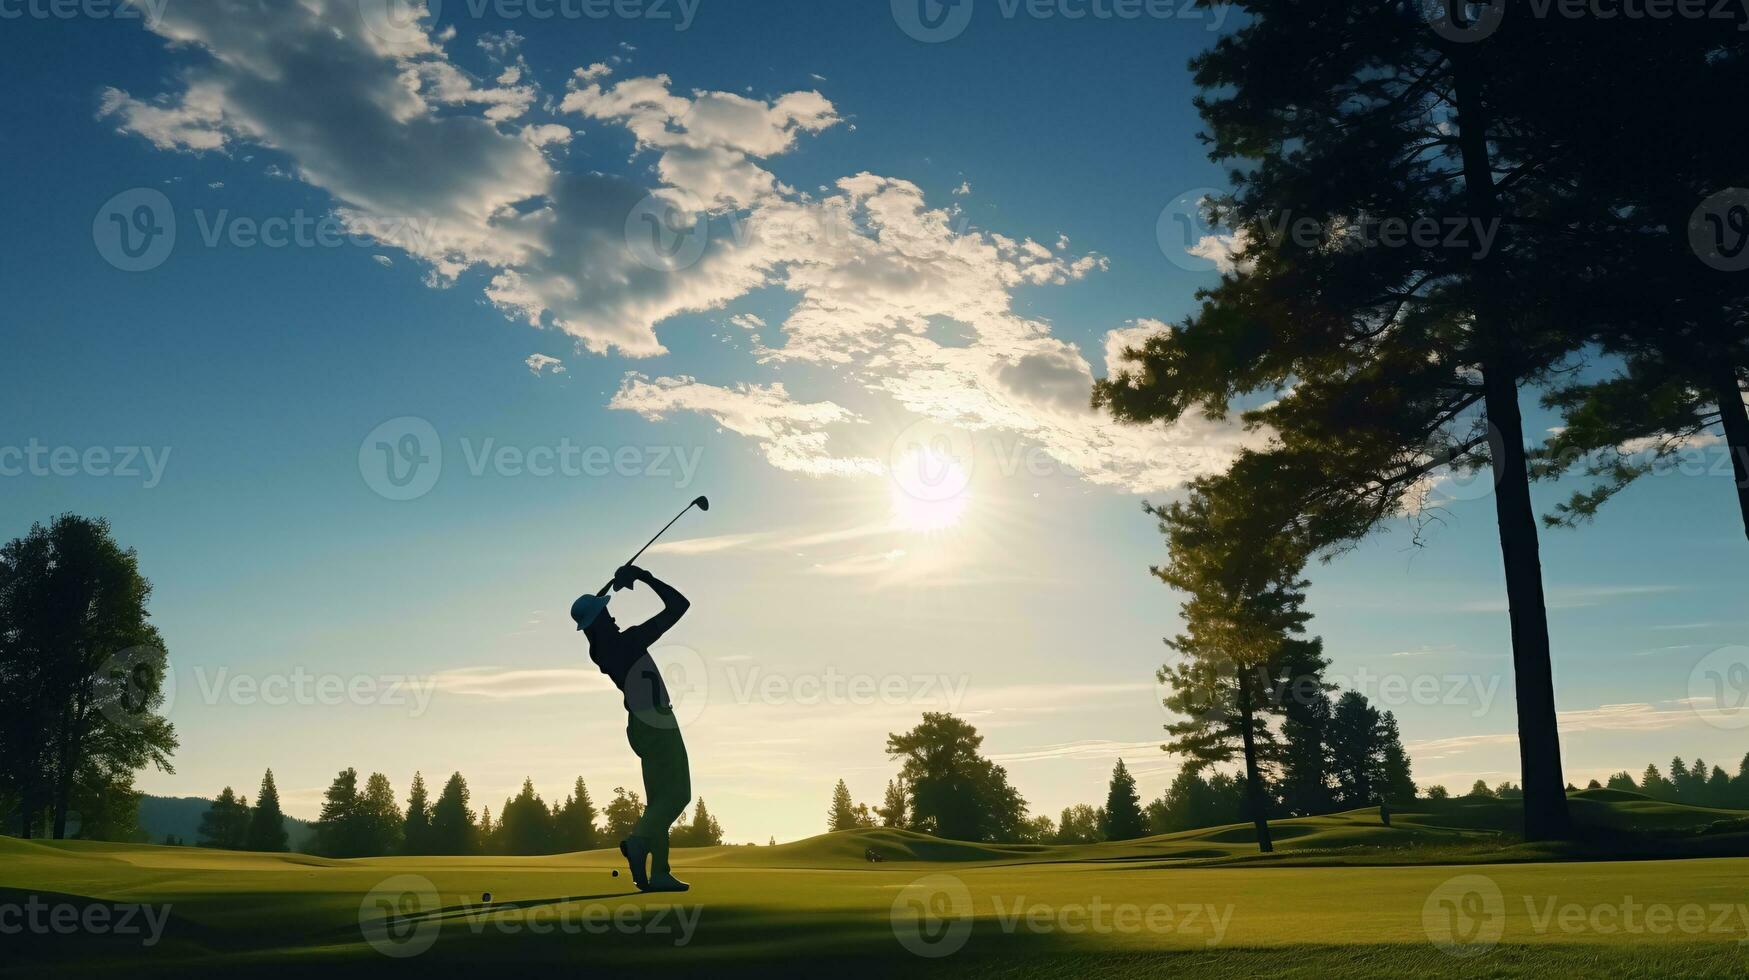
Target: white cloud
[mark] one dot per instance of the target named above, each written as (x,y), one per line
(1117,341)
(501,683)
(791,434)
(449,168)
(538,363)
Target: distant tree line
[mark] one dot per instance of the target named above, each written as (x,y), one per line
(1352,757)
(368,822)
(1693,783)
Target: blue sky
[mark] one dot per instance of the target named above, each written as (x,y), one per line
(937,241)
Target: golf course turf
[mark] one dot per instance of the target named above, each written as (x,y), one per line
(1343,896)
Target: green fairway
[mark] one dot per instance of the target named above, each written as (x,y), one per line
(1345,894)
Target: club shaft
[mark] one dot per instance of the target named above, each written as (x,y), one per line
(650,542)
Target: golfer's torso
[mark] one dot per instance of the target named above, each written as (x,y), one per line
(629,665)
(645,693)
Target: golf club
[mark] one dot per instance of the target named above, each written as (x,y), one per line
(701,502)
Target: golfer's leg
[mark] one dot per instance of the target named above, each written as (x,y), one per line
(679,794)
(667,791)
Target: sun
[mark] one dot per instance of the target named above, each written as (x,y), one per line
(931,489)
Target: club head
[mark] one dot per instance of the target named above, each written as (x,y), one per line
(701,503)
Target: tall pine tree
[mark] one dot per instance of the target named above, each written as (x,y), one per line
(1123,807)
(842,814)
(1383,360)
(416,830)
(452,821)
(267,824)
(574,825)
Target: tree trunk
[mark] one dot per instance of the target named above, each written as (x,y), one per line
(1539,740)
(63,792)
(1736,422)
(1253,778)
(26,814)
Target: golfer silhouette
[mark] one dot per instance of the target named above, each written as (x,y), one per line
(654,734)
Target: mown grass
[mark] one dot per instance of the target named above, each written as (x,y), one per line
(1343,895)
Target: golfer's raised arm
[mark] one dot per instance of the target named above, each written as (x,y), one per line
(674,606)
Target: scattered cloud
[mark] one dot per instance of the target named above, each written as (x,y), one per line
(543,363)
(879,563)
(500,683)
(461,172)
(791,434)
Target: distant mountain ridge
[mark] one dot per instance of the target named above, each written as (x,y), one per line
(163,816)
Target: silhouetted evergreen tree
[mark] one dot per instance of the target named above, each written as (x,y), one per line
(1356,755)
(379,817)
(1395,781)
(525,825)
(267,823)
(416,835)
(1654,785)
(1380,365)
(226,823)
(1676,325)
(1123,807)
(842,814)
(1681,784)
(895,804)
(574,826)
(452,821)
(1305,755)
(702,830)
(1243,653)
(339,829)
(1718,788)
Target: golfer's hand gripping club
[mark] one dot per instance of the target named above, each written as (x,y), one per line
(628,576)
(701,502)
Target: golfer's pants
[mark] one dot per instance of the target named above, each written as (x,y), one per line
(667,781)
